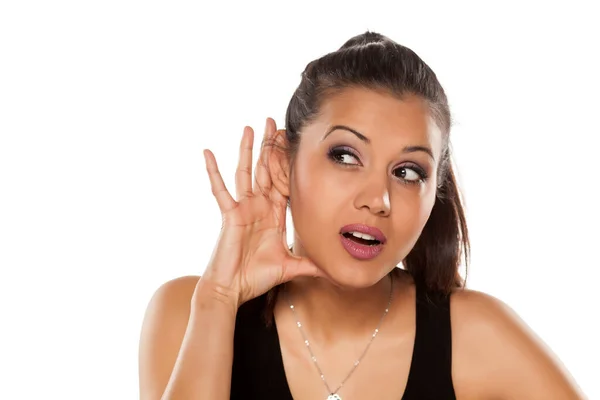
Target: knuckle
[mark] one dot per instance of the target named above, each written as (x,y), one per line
(244,170)
(217,192)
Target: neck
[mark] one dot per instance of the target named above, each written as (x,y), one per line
(326,310)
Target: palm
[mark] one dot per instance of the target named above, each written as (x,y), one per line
(257,228)
(252,252)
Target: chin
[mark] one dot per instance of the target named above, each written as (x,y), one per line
(354,278)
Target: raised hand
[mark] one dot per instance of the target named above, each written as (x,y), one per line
(251,255)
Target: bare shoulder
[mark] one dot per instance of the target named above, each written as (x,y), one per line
(497,356)
(176,290)
(163,329)
(172,299)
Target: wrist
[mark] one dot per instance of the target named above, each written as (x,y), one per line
(209,294)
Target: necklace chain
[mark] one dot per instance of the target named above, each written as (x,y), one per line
(333,393)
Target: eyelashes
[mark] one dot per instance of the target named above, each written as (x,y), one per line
(339,154)
(343,155)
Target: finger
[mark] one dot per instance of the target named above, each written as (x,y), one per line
(280,215)
(277,197)
(295,266)
(262,177)
(224,199)
(243,174)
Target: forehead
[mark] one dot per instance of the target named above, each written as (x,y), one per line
(378,113)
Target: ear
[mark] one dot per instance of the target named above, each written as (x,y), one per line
(279,164)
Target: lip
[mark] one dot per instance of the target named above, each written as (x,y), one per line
(362,228)
(360,251)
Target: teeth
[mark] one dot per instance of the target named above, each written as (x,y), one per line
(363,236)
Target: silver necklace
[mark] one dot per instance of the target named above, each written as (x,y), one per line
(333,393)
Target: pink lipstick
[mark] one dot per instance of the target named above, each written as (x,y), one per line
(362,241)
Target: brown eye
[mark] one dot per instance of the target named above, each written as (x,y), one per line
(412,174)
(342,155)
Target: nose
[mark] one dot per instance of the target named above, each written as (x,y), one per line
(375,196)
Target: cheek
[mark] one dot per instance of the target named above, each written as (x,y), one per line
(409,223)
(314,191)
(425,202)
(412,215)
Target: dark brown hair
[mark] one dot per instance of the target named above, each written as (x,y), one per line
(373,61)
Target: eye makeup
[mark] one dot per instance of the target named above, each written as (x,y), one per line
(343,155)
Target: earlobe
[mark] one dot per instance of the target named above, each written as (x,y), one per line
(279,163)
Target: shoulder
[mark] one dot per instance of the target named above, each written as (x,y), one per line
(163,328)
(496,355)
(170,303)
(178,287)
(173,296)
(169,307)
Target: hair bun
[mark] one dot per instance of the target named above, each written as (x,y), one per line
(365,39)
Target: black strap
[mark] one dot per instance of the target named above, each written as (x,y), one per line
(258,371)
(430,374)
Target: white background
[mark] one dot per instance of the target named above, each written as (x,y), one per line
(105,108)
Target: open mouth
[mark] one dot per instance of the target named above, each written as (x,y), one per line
(361,240)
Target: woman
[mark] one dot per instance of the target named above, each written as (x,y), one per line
(364,166)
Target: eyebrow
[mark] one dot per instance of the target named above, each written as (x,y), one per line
(406,149)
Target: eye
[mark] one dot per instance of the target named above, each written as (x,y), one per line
(343,155)
(406,174)
(410,174)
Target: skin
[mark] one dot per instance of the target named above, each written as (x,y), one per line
(325,196)
(494,354)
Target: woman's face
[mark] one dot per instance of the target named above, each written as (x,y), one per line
(369,177)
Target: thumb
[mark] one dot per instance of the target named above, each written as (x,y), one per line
(295,266)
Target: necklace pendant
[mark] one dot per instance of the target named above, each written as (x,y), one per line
(334,396)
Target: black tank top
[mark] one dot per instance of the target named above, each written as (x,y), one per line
(258,371)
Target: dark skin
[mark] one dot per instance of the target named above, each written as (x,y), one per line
(494,354)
